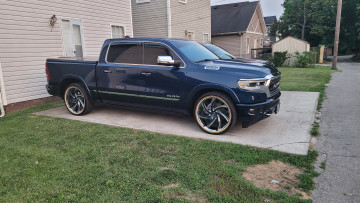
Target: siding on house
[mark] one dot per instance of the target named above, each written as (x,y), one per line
(149,18)
(193,16)
(231,43)
(291,45)
(27,39)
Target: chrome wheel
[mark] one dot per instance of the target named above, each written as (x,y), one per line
(213,114)
(74,100)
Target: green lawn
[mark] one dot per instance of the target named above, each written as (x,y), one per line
(52,159)
(306,79)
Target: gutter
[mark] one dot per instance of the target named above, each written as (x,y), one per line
(2,92)
(168,17)
(229,33)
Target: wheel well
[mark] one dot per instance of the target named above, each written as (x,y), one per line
(201,92)
(65,83)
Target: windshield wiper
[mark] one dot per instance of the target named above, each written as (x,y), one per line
(205,60)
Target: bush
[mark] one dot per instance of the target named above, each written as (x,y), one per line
(305,60)
(279,58)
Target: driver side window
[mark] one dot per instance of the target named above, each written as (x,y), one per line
(152,51)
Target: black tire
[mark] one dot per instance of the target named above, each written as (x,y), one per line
(215,113)
(77,100)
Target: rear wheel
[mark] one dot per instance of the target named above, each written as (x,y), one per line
(215,113)
(77,99)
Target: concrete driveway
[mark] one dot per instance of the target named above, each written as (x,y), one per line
(287,131)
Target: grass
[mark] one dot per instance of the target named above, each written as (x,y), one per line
(315,130)
(323,165)
(306,79)
(47,159)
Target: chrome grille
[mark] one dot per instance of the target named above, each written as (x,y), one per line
(274,86)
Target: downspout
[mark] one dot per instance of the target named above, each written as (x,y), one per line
(2,92)
(168,18)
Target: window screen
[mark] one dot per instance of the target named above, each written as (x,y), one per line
(117,31)
(124,53)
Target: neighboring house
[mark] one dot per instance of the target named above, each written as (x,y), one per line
(183,19)
(269,21)
(27,39)
(238,28)
(291,45)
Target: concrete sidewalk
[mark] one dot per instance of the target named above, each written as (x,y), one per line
(287,131)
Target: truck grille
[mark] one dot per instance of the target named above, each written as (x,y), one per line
(274,87)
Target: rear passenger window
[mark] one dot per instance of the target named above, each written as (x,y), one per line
(124,53)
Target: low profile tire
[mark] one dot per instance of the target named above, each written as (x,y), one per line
(215,113)
(77,100)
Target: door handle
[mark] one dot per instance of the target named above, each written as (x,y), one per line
(107,71)
(146,73)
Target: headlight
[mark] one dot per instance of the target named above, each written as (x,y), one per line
(254,84)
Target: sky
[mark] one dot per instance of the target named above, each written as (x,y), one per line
(269,7)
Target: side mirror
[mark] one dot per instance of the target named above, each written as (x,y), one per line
(167,61)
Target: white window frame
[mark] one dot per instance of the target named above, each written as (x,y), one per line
(208,38)
(111,33)
(183,1)
(142,1)
(247,45)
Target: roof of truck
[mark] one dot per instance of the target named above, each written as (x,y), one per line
(144,39)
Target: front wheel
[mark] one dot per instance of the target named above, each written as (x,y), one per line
(77,100)
(215,113)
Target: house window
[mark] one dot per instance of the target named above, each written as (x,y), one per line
(183,1)
(142,1)
(117,31)
(206,38)
(189,35)
(247,45)
(261,42)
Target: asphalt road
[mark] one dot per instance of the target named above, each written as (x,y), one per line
(339,144)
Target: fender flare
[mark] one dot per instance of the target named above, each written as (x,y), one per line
(213,87)
(78,78)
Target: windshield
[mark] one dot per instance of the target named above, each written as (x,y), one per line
(221,53)
(194,51)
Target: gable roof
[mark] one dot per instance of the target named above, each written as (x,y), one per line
(231,18)
(269,20)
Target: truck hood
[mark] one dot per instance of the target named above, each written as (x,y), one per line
(241,69)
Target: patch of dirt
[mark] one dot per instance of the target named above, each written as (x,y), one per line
(267,175)
(190,196)
(172,185)
(230,161)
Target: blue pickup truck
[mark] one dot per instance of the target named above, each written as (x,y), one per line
(167,74)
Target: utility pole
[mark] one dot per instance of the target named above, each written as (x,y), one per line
(337,33)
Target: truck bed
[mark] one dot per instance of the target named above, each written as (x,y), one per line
(90,60)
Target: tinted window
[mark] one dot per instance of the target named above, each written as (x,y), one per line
(194,51)
(151,53)
(124,53)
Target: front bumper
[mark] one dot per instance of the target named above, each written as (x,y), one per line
(248,112)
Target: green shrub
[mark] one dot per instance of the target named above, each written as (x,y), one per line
(305,60)
(279,58)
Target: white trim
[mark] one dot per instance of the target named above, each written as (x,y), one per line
(118,25)
(168,18)
(247,51)
(257,24)
(205,33)
(259,33)
(131,21)
(142,1)
(3,100)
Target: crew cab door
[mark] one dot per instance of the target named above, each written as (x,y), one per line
(117,76)
(161,85)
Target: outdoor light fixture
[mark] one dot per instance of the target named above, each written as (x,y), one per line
(53,20)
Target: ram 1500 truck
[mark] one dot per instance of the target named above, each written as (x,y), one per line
(167,74)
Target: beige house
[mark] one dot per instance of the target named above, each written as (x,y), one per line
(238,28)
(32,31)
(291,45)
(183,19)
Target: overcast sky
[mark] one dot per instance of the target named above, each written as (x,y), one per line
(269,7)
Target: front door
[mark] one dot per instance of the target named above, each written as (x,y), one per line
(161,85)
(72,38)
(117,77)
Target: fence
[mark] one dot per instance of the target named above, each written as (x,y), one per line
(261,53)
